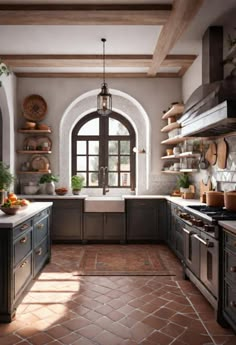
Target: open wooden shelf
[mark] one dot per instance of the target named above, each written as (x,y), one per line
(170,127)
(175,140)
(33,151)
(34,172)
(179,171)
(175,110)
(34,131)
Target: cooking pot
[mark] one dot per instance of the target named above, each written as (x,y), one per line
(215,198)
(230,200)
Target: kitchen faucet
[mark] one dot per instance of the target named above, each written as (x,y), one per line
(105,189)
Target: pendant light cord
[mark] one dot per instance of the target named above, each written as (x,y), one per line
(103,40)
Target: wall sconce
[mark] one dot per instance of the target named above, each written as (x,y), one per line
(136,150)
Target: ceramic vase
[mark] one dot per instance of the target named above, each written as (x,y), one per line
(50,188)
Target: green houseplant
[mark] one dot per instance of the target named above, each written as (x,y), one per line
(77,183)
(183,182)
(47,183)
(6,179)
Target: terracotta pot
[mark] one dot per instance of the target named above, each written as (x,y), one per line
(230,200)
(215,198)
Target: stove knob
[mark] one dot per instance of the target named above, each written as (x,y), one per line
(233,269)
(183,215)
(209,228)
(199,222)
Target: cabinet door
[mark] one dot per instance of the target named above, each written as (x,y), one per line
(93,226)
(114,226)
(142,220)
(67,220)
(162,220)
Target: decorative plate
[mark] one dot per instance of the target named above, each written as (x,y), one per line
(35,108)
(30,143)
(40,163)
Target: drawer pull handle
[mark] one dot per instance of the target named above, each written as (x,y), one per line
(40,226)
(232,304)
(24,239)
(39,252)
(23,264)
(233,269)
(24,227)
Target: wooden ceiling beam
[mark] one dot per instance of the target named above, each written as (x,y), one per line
(145,14)
(181,16)
(61,60)
(93,75)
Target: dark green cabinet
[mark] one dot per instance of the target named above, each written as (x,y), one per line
(24,250)
(229,278)
(104,226)
(146,219)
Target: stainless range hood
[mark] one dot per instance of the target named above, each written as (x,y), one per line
(211,110)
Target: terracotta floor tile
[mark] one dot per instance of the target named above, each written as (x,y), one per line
(63,308)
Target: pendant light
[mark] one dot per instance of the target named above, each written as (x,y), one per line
(104,99)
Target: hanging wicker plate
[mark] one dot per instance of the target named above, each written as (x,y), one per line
(34,108)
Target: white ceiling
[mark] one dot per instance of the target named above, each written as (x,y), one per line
(121,39)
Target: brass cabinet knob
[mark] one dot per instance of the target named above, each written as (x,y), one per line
(24,239)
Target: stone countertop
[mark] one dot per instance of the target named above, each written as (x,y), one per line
(24,214)
(54,196)
(229,225)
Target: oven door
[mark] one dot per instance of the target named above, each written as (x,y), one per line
(191,249)
(209,263)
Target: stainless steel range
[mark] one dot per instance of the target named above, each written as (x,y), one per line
(200,232)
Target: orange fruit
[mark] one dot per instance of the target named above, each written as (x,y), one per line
(24,202)
(12,197)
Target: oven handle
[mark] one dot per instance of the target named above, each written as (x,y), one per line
(207,244)
(190,233)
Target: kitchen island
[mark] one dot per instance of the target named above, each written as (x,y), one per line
(24,250)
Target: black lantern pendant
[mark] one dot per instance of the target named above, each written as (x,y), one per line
(104,99)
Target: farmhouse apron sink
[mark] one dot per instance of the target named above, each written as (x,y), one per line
(104,204)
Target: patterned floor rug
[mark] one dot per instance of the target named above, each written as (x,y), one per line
(124,260)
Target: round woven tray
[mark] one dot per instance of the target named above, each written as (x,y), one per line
(34,108)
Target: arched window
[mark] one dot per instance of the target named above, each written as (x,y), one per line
(104,145)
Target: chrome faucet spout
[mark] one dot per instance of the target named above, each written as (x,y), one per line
(104,172)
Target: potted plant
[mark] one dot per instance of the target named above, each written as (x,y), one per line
(77,183)
(183,183)
(47,183)
(6,179)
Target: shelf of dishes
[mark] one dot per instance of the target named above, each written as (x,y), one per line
(175,140)
(183,155)
(180,171)
(170,127)
(34,172)
(175,110)
(34,131)
(33,151)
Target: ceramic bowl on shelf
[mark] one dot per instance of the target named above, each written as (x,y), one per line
(30,190)
(30,125)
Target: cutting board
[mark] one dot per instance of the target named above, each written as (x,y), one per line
(222,150)
(205,187)
(211,154)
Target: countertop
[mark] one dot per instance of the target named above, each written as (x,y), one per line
(229,225)
(24,214)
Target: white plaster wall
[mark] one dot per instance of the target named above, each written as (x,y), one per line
(153,95)
(192,79)
(8,109)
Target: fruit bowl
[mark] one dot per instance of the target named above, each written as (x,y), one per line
(10,211)
(61,191)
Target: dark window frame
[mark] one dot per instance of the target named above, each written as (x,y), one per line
(104,139)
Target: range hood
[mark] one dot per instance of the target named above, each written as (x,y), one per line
(211,110)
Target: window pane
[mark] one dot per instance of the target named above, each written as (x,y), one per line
(113,179)
(113,163)
(93,180)
(81,163)
(125,163)
(113,147)
(125,147)
(125,179)
(93,163)
(90,128)
(117,128)
(85,177)
(93,147)
(81,147)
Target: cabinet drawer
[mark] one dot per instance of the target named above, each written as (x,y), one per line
(40,229)
(40,255)
(18,230)
(230,241)
(41,215)
(141,203)
(22,275)
(230,266)
(22,246)
(230,301)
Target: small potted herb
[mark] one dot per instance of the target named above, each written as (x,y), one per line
(183,183)
(6,179)
(77,183)
(47,183)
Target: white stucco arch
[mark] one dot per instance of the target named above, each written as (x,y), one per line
(122,103)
